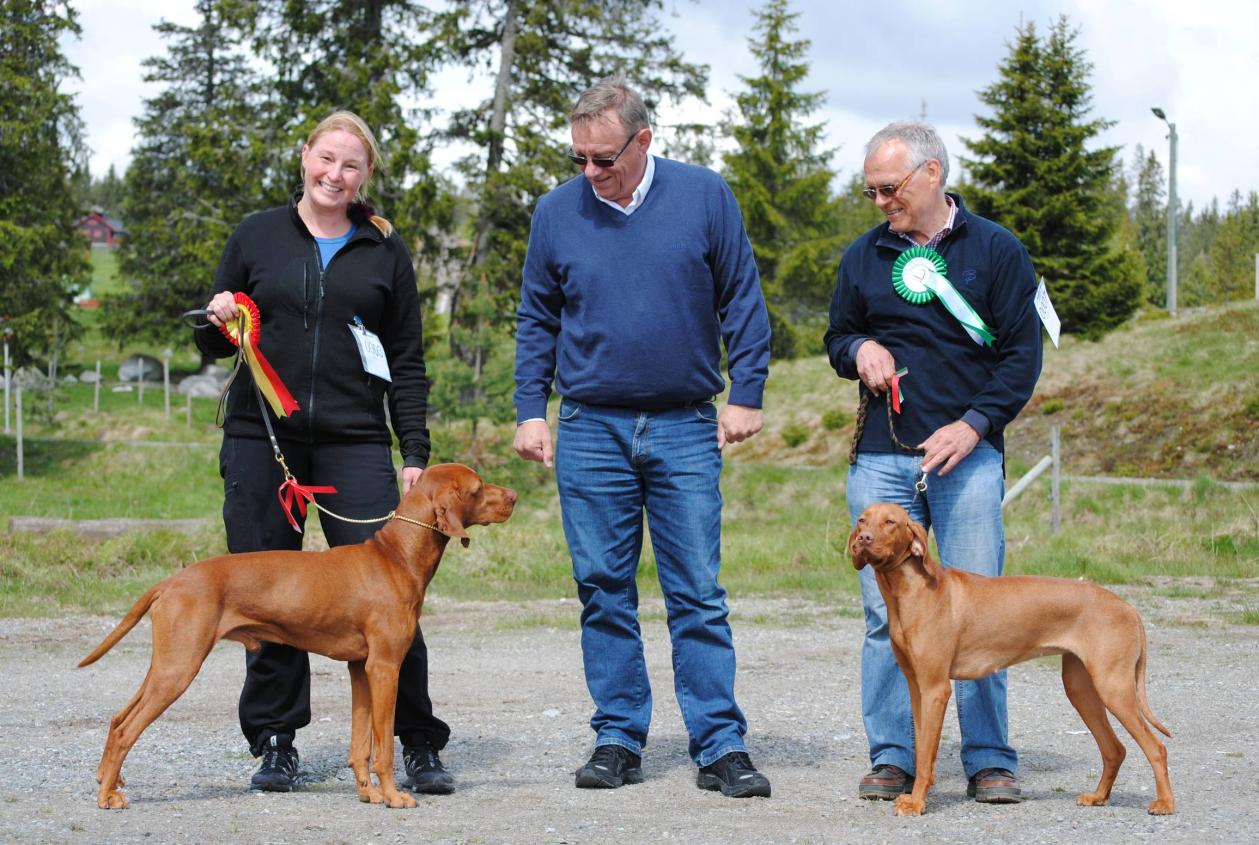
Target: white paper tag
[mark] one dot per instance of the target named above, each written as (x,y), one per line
(370,350)
(1048,315)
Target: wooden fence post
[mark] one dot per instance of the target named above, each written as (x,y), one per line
(20,469)
(1056,477)
(166,379)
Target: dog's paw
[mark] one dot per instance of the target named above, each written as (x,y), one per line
(401,801)
(370,794)
(1091,799)
(1160,807)
(115,800)
(907,805)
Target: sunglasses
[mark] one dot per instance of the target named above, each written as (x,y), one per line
(600,161)
(889,191)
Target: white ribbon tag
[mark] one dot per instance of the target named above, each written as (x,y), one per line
(370,350)
(1048,315)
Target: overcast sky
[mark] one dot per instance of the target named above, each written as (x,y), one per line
(876,62)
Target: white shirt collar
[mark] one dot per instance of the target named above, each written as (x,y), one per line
(640,193)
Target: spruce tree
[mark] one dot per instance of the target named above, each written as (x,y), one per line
(781,175)
(542,55)
(1149,218)
(1033,173)
(43,260)
(202,160)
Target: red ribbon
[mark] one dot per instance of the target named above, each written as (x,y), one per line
(895,381)
(291,491)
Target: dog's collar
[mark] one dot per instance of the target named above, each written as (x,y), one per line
(428,525)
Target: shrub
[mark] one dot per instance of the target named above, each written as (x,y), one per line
(834,419)
(795,434)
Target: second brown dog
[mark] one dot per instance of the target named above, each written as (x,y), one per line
(356,603)
(942,623)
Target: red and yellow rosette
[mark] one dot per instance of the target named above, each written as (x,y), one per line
(245,331)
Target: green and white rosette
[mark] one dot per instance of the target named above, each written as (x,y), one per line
(919,275)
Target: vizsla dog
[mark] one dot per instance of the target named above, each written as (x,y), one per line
(946,623)
(355,603)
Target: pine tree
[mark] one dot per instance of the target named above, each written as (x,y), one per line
(1233,250)
(1149,218)
(542,54)
(781,175)
(372,58)
(1034,174)
(201,162)
(43,260)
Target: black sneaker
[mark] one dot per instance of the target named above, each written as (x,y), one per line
(735,776)
(278,771)
(609,767)
(425,772)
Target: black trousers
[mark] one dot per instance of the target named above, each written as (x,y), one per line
(275,700)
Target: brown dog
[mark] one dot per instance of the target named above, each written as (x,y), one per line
(355,603)
(947,623)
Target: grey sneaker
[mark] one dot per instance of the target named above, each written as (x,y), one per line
(609,767)
(278,771)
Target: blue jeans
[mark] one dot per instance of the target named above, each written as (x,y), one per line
(964,510)
(610,465)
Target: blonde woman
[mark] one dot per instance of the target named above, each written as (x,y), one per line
(326,274)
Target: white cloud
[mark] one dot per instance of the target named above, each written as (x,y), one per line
(876,62)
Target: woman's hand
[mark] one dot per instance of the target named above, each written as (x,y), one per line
(222,308)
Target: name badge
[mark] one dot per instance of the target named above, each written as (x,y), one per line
(370,350)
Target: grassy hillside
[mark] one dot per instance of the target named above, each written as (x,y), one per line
(1162,399)
(1169,399)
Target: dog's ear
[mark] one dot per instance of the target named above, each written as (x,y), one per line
(922,552)
(448,507)
(858,562)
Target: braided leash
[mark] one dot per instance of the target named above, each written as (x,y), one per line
(863,410)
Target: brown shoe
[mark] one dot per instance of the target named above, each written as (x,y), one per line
(884,782)
(994,786)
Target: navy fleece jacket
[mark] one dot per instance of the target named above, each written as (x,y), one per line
(950,376)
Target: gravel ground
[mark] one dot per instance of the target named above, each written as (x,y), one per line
(508,678)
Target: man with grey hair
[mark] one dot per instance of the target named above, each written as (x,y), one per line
(638,272)
(933,313)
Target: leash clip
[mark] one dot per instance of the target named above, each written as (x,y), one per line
(921,485)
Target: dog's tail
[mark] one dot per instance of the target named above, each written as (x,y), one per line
(134,615)
(1143,703)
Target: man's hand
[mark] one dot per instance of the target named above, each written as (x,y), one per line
(410,475)
(736,423)
(533,442)
(875,365)
(948,445)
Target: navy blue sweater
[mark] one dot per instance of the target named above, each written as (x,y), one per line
(632,310)
(950,376)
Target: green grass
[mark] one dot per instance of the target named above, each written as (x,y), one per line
(785,518)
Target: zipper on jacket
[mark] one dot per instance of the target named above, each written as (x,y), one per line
(314,355)
(305,295)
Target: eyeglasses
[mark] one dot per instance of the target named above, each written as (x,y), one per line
(600,161)
(889,191)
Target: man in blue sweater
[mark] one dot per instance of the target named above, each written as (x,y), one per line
(637,272)
(933,311)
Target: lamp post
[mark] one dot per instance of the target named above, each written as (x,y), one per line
(1172,211)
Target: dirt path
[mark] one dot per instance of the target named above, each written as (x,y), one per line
(508,679)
